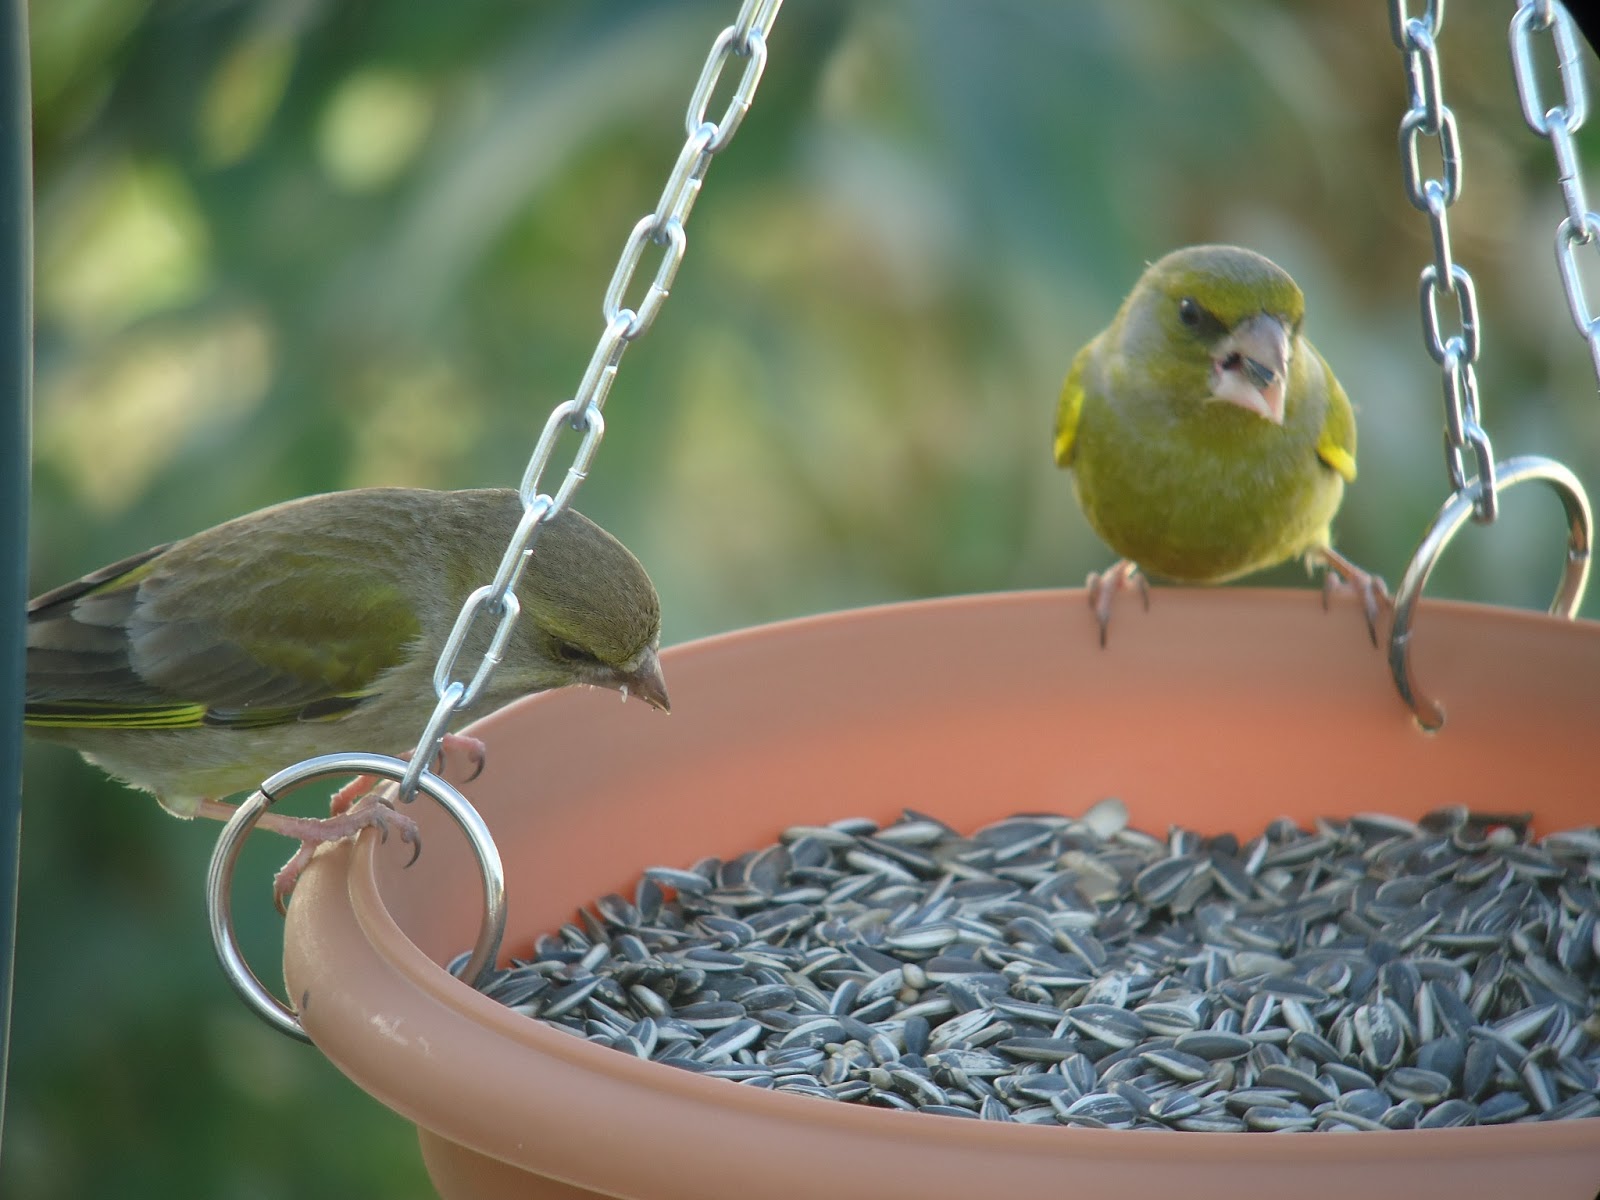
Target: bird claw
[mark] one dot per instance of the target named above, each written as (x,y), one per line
(313,833)
(1340,573)
(452,743)
(409,833)
(346,797)
(288,875)
(1103,586)
(460,743)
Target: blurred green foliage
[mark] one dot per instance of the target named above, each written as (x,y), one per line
(288,246)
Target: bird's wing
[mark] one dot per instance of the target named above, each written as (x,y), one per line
(1069,408)
(1336,443)
(245,633)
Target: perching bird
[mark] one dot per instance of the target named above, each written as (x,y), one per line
(1206,436)
(197,669)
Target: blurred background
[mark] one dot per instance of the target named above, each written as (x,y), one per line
(288,246)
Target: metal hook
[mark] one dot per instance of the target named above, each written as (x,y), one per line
(1457,510)
(219,877)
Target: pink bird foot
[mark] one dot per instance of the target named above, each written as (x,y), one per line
(477,754)
(1341,573)
(1104,586)
(313,833)
(347,818)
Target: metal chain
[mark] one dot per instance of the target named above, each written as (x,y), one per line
(744,40)
(1558,125)
(1429,116)
(1477,497)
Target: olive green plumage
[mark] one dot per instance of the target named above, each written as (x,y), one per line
(1196,453)
(196,669)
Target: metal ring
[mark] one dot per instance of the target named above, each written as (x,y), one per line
(219,877)
(1456,512)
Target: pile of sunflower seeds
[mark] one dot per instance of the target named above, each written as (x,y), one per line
(1372,973)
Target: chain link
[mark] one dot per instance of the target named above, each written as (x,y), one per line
(663,228)
(1558,124)
(1468,454)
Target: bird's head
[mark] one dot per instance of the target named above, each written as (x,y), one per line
(589,615)
(1228,318)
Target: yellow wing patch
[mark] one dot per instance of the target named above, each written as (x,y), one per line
(1337,457)
(84,714)
(88,714)
(1068,410)
(1336,442)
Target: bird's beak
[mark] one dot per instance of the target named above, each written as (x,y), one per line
(646,682)
(1251,365)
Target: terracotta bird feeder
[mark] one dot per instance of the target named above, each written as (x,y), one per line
(1218,710)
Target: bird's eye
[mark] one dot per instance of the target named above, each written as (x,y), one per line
(1190,312)
(567,652)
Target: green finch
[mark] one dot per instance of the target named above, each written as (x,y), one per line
(1206,436)
(197,669)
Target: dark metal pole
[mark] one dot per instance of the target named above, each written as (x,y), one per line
(1587,14)
(16,387)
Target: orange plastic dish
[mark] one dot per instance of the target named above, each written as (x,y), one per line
(1219,710)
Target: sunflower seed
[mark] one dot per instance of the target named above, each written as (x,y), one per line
(1369,973)
(1113,1026)
(1313,1046)
(1172,1018)
(1297,1082)
(1538,1085)
(1337,1119)
(728,1040)
(1502,1107)
(1585,1104)
(1158,883)
(1175,1106)
(688,883)
(1448,1115)
(1189,1068)
(1106,1110)
(1414,1083)
(1280,1120)
(1378,1034)
(1108,818)
(566,999)
(1211,1122)
(1211,1044)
